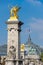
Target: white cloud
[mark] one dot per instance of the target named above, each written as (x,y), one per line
(35,2)
(37,26)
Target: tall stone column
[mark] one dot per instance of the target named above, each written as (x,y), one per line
(13,42)
(14,28)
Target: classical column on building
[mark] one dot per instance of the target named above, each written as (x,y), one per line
(13,42)
(22,53)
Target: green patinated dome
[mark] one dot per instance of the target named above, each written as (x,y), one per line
(31,48)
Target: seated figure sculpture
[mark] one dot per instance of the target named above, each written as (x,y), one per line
(12,52)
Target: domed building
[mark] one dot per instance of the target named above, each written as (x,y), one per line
(30,49)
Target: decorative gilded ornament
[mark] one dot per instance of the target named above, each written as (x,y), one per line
(13,12)
(22,47)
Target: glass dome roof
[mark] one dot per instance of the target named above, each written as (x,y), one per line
(31,48)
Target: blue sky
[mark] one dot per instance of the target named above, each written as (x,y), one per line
(31,14)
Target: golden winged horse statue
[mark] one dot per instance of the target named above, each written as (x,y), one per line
(13,12)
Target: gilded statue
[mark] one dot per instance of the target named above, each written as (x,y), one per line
(13,12)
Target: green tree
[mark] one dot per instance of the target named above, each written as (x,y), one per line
(41,57)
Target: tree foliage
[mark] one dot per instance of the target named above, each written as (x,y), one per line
(41,57)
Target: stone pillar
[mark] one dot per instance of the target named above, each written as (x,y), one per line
(13,47)
(14,28)
(13,42)
(23,57)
